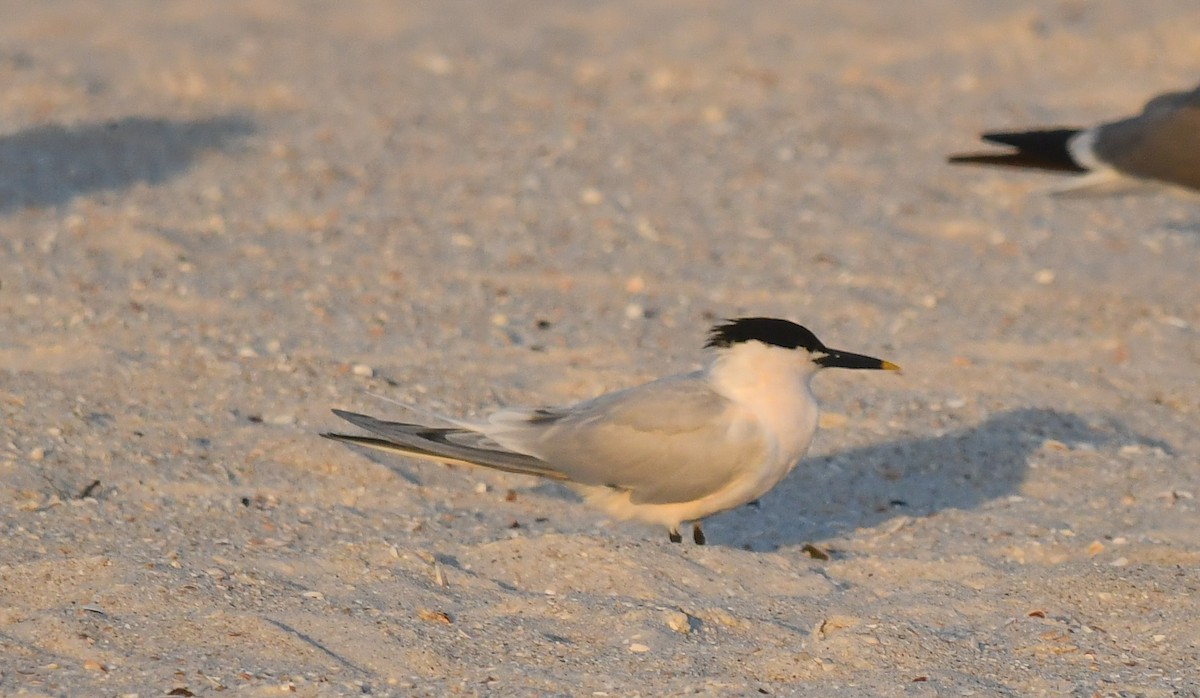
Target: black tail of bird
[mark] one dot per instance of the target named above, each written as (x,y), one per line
(1043,150)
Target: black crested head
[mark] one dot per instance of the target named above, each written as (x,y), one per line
(768,330)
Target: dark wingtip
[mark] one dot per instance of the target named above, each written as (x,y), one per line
(1036,139)
(978,159)
(1043,149)
(359,420)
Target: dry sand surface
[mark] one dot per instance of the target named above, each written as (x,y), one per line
(220,219)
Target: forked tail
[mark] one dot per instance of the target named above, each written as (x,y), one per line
(1046,149)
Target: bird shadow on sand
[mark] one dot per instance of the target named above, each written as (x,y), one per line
(864,487)
(52,164)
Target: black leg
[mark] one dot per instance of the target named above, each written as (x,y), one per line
(675,537)
(697,534)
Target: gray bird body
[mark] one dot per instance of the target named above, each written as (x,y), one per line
(676,449)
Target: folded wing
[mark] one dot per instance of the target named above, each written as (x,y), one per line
(673,440)
(1161,144)
(458,445)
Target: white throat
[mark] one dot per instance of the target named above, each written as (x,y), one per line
(772,383)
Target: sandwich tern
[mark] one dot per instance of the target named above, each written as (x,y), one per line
(1161,145)
(670,451)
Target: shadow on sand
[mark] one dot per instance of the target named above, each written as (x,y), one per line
(865,487)
(50,165)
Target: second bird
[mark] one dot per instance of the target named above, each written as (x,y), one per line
(1162,144)
(670,451)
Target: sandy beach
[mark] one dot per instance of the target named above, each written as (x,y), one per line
(219,220)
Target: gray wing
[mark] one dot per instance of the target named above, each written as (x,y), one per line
(672,440)
(458,445)
(1162,143)
(1169,101)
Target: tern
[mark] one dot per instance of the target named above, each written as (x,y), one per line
(670,451)
(1160,145)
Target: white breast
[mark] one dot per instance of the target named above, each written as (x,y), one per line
(772,384)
